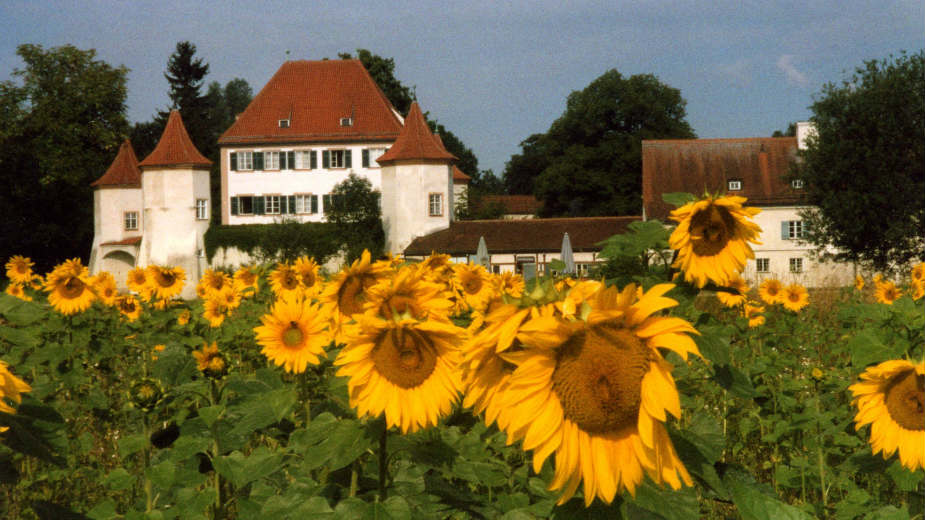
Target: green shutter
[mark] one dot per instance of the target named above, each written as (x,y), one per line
(258,205)
(234,202)
(290,160)
(785,230)
(314,160)
(347,162)
(291,205)
(258,160)
(314,203)
(234,161)
(366,157)
(325,159)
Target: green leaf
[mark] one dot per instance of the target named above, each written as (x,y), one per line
(36,430)
(132,444)
(241,469)
(714,347)
(666,503)
(262,410)
(905,479)
(162,474)
(866,348)
(20,337)
(735,381)
(20,312)
(889,513)
(209,414)
(105,510)
(119,479)
(678,198)
(193,502)
(755,504)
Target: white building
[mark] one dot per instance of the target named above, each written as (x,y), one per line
(755,168)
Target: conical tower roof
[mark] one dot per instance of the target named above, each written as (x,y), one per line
(123,171)
(416,142)
(175,147)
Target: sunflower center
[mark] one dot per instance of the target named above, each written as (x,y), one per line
(348,300)
(165,278)
(598,378)
(404,357)
(308,279)
(400,304)
(905,400)
(472,285)
(73,288)
(293,335)
(290,281)
(711,230)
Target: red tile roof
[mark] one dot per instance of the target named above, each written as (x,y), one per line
(695,165)
(175,147)
(123,171)
(131,241)
(459,177)
(416,142)
(513,204)
(520,236)
(314,96)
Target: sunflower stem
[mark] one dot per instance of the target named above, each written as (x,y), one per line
(383,461)
(146,455)
(353,479)
(821,455)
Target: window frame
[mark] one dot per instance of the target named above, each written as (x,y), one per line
(240,161)
(341,153)
(270,164)
(796,265)
(430,204)
(734,185)
(307,198)
(126,217)
(241,212)
(202,209)
(797,184)
(268,204)
(795,229)
(762,262)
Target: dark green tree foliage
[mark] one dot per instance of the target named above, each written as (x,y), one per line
(591,156)
(357,215)
(791,131)
(470,205)
(59,131)
(185,77)
(466,160)
(865,167)
(383,72)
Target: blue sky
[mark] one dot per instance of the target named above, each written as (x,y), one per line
(496,72)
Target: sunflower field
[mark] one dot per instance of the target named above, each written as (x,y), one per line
(662,387)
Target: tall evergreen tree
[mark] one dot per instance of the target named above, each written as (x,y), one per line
(185,77)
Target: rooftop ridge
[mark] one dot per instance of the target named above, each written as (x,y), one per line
(175,148)
(123,171)
(416,141)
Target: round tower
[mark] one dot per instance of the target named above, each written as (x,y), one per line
(175,192)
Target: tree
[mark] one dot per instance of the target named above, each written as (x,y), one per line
(470,206)
(864,168)
(356,213)
(185,77)
(383,72)
(791,131)
(59,131)
(591,156)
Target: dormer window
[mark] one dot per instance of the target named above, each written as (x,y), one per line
(735,185)
(797,184)
(346,121)
(284,123)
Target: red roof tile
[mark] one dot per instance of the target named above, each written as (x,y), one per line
(459,177)
(416,142)
(513,204)
(314,96)
(124,169)
(520,236)
(695,165)
(175,147)
(131,241)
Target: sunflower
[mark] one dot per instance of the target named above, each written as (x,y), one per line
(405,369)
(771,291)
(214,312)
(917,273)
(887,292)
(210,361)
(247,281)
(165,282)
(183,317)
(858,282)
(137,281)
(794,297)
(510,283)
(104,285)
(890,397)
(918,290)
(752,312)
(294,334)
(212,281)
(734,299)
(309,282)
(15,289)
(69,288)
(19,269)
(157,348)
(129,306)
(712,239)
(345,294)
(595,391)
(10,389)
(407,292)
(284,280)
(229,296)
(473,286)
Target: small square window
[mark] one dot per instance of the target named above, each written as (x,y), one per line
(796,265)
(795,229)
(346,121)
(284,123)
(797,184)
(271,204)
(202,209)
(271,160)
(245,160)
(337,159)
(131,220)
(435,205)
(763,265)
(735,185)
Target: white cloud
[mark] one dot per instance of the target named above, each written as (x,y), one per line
(794,76)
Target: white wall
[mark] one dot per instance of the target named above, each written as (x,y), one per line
(405,196)
(109,205)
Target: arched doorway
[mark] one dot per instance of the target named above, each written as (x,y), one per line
(118,263)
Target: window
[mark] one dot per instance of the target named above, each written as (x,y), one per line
(346,121)
(306,204)
(370,155)
(242,161)
(763,265)
(797,184)
(242,205)
(796,265)
(202,209)
(735,185)
(792,229)
(271,204)
(131,220)
(435,204)
(284,123)
(271,160)
(306,160)
(337,159)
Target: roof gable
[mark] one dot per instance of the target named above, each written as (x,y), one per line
(697,165)
(520,236)
(124,169)
(459,177)
(416,142)
(175,147)
(314,96)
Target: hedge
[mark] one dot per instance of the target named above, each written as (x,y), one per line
(284,241)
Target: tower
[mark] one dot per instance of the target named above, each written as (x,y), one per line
(417,184)
(175,193)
